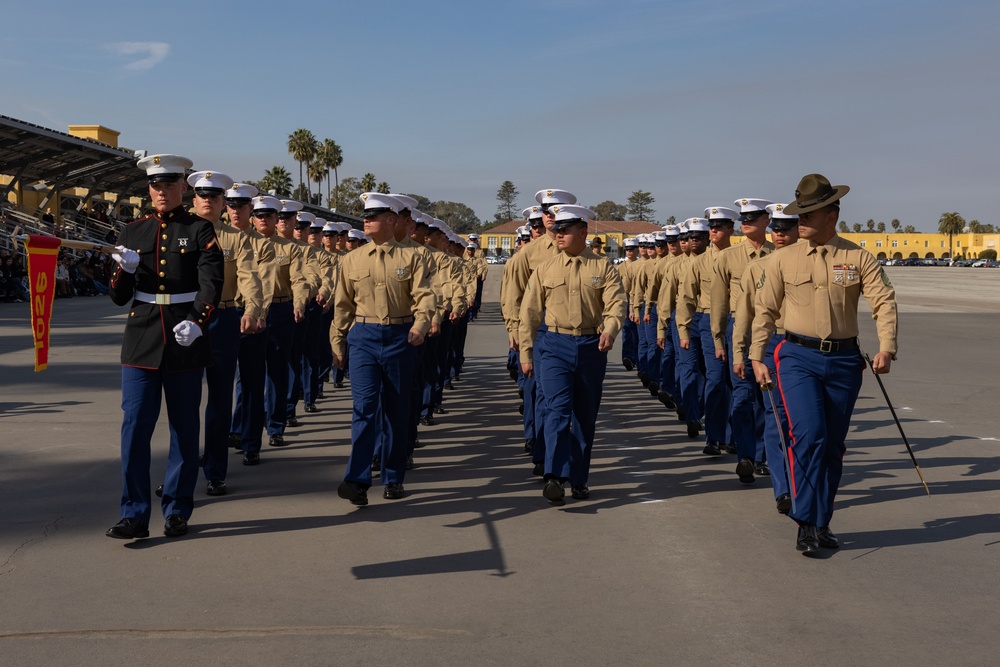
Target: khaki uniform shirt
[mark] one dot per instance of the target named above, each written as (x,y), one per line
(241,271)
(388,283)
(654,278)
(262,253)
(694,290)
(729,267)
(522,265)
(454,299)
(746,296)
(807,285)
(669,283)
(290,282)
(577,295)
(313,269)
(637,297)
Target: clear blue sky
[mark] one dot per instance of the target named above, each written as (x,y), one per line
(699,102)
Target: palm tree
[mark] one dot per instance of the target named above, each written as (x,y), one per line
(302,145)
(276,180)
(896,224)
(383,187)
(317,171)
(330,156)
(368,182)
(951,224)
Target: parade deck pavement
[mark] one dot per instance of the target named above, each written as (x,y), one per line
(671,562)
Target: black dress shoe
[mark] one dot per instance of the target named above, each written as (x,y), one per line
(520,393)
(320,394)
(353,491)
(159,491)
(251,458)
(448,385)
(827,540)
(729,448)
(529,444)
(694,428)
(554,492)
(128,529)
(338,385)
(513,375)
(745,470)
(808,541)
(417,444)
(276,440)
(292,421)
(711,448)
(392,491)
(216,487)
(628,364)
(666,399)
(520,409)
(581,493)
(409,462)
(377,464)
(681,417)
(783,503)
(311,407)
(438,410)
(538,470)
(175,526)
(428,421)
(654,388)
(762,469)
(236,441)
(644,378)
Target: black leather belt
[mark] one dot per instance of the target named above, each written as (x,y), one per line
(823,345)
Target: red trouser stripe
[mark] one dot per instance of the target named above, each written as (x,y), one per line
(791,433)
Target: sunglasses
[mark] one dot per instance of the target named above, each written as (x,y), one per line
(207,195)
(287,215)
(753,215)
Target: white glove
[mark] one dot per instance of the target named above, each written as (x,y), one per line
(127,259)
(186,332)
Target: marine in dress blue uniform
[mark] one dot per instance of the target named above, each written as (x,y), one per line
(818,285)
(580,298)
(383,310)
(171,270)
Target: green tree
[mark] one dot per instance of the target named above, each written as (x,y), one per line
(459,217)
(896,224)
(881,227)
(276,180)
(317,172)
(348,196)
(857,227)
(909,229)
(330,156)
(609,210)
(951,224)
(383,187)
(423,203)
(989,253)
(640,206)
(870,225)
(670,221)
(368,182)
(301,193)
(842,227)
(507,209)
(302,145)
(976,227)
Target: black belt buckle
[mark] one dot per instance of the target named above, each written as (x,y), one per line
(826,346)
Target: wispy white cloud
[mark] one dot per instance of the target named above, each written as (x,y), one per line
(154,52)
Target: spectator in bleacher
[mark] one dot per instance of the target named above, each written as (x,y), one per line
(13,287)
(63,288)
(48,218)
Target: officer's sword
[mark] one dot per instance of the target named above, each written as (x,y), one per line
(769,390)
(896,419)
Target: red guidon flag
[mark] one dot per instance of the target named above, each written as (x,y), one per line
(43,254)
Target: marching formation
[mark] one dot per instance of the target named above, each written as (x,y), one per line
(271,308)
(753,344)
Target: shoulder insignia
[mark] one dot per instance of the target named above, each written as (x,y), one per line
(760,283)
(885,278)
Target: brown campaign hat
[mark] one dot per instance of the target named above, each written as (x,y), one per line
(813,193)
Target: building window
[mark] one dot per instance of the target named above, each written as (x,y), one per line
(505,243)
(906,241)
(863,244)
(878,244)
(927,244)
(895,243)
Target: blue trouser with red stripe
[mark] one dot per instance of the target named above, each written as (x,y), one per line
(718,394)
(652,349)
(772,436)
(819,391)
(640,336)
(747,411)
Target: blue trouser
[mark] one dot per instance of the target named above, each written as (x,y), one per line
(668,365)
(416,387)
(747,409)
(441,362)
(296,355)
(819,391)
(538,397)
(630,337)
(652,349)
(717,391)
(478,302)
(383,364)
(692,374)
(325,351)
(142,391)
(772,436)
(280,321)
(459,333)
(641,351)
(573,380)
(528,420)
(678,392)
(312,341)
(224,330)
(249,415)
